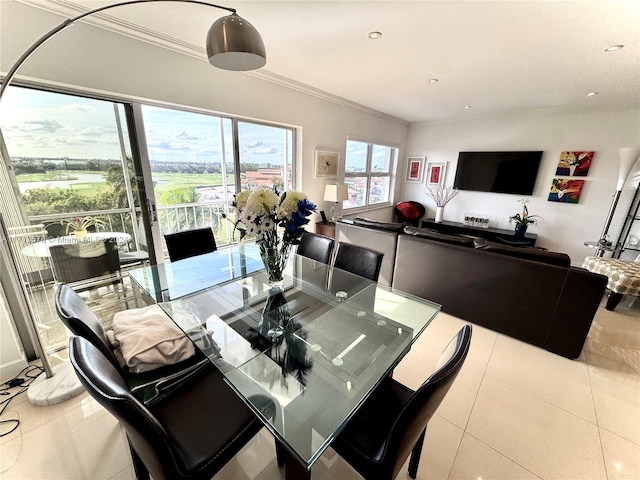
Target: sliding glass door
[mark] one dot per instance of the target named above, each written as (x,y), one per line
(66,160)
(198,162)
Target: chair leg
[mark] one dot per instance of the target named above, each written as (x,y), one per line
(279,454)
(415,456)
(614,300)
(138,467)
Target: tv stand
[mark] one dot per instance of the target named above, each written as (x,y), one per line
(497,235)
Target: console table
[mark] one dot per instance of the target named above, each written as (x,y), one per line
(327,229)
(494,234)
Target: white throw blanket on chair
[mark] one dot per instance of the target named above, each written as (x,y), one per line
(149,339)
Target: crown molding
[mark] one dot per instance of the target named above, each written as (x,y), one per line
(105,21)
(538,112)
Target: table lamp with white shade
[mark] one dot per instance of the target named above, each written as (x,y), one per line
(336,193)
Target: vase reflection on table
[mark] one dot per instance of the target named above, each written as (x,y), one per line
(281,338)
(275,314)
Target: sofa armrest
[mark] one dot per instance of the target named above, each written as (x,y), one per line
(577,305)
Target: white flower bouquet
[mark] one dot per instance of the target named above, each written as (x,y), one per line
(275,221)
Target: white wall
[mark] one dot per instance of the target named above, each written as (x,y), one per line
(565,226)
(89,58)
(12,359)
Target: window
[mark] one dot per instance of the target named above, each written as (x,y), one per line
(193,163)
(368,169)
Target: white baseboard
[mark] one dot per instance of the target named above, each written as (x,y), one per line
(11,369)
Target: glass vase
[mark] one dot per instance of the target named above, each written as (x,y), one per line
(274,258)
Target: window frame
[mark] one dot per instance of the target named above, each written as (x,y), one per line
(390,174)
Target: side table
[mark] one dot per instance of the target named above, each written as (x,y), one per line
(600,249)
(327,229)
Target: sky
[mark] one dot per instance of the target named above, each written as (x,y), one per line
(52,125)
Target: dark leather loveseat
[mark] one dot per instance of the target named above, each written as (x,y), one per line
(528,294)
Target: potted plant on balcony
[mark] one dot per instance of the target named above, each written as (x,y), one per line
(524,220)
(78,226)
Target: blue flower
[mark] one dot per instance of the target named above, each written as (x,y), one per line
(305,207)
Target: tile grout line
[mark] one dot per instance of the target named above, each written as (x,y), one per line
(505,456)
(595,411)
(464,430)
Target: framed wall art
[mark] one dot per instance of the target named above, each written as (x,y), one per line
(326,163)
(565,191)
(435,173)
(415,169)
(574,164)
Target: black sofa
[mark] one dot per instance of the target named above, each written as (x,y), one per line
(528,294)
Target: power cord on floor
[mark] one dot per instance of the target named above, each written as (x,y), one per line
(20,382)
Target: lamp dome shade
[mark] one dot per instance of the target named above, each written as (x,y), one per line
(628,157)
(235,44)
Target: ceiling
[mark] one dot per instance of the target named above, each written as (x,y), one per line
(500,58)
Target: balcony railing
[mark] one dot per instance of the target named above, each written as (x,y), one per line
(171,218)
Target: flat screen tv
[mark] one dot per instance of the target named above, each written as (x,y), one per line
(499,172)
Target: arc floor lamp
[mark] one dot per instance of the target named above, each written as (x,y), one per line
(232,43)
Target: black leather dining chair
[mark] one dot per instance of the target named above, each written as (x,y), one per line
(359,260)
(191,434)
(149,386)
(392,423)
(190,243)
(316,247)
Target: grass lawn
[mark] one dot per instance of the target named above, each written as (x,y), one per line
(170,181)
(45,177)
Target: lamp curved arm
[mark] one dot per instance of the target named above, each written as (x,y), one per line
(70,21)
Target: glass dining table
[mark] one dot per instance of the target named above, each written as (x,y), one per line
(303,357)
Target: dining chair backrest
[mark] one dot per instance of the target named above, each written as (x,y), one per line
(358,260)
(80,319)
(73,262)
(190,243)
(191,434)
(392,423)
(316,247)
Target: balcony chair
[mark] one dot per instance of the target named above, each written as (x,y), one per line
(316,247)
(409,212)
(87,265)
(392,423)
(136,257)
(190,243)
(190,434)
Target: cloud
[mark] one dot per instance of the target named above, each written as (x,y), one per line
(163,144)
(39,123)
(77,106)
(93,131)
(266,150)
(182,135)
(254,144)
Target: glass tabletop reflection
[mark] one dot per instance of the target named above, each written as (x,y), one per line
(304,356)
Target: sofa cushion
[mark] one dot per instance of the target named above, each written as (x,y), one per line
(527,253)
(439,237)
(387,226)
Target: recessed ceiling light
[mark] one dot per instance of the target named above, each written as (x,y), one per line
(467,106)
(433,80)
(374,35)
(613,48)
(592,94)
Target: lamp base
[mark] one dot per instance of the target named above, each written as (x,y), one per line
(62,386)
(333,211)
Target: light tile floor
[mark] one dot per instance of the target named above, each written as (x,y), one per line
(515,412)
